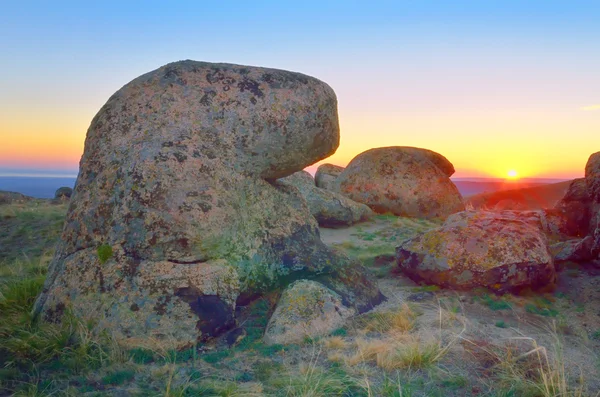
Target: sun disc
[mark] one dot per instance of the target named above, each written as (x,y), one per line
(512,174)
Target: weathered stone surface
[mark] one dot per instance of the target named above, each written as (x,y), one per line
(549,221)
(326,175)
(575,206)
(405,181)
(306,309)
(592,176)
(176,215)
(478,248)
(330,209)
(577,250)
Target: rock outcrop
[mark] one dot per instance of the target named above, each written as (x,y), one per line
(405,181)
(581,210)
(176,215)
(326,175)
(592,179)
(330,209)
(575,206)
(479,249)
(306,309)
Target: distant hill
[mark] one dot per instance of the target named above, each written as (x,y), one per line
(533,197)
(38,187)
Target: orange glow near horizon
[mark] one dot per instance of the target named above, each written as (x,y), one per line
(54,140)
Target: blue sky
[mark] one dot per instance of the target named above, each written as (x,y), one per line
(474,80)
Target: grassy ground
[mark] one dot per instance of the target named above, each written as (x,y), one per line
(422,342)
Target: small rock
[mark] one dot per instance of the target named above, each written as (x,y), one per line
(326,175)
(306,309)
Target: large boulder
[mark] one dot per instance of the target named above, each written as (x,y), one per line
(592,179)
(592,176)
(479,249)
(575,206)
(330,209)
(176,215)
(306,309)
(405,181)
(326,175)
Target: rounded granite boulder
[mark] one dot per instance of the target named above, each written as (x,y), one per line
(405,181)
(176,216)
(326,175)
(479,249)
(330,209)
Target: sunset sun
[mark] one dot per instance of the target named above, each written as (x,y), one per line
(512,174)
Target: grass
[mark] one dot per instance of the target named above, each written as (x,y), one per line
(401,320)
(401,351)
(541,307)
(537,371)
(384,239)
(495,302)
(118,377)
(30,230)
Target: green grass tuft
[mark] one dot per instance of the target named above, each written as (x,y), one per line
(118,377)
(105,252)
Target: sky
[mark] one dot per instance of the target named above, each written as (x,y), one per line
(495,86)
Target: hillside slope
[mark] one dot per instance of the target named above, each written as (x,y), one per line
(530,198)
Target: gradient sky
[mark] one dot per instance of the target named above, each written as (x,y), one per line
(491,85)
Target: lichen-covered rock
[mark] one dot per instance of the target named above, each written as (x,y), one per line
(176,215)
(405,181)
(549,221)
(326,175)
(575,206)
(306,309)
(330,209)
(592,179)
(592,176)
(479,249)
(577,250)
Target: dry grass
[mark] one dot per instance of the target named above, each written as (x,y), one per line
(335,343)
(368,350)
(524,367)
(402,320)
